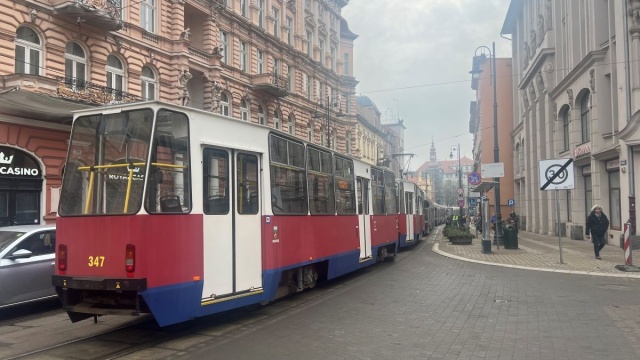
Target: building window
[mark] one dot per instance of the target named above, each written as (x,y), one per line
(307,86)
(28,51)
(309,44)
(290,77)
(75,65)
(321,45)
(243,8)
(244,110)
(276,120)
(243,56)
(615,216)
(346,64)
(224,104)
(333,58)
(347,143)
(260,4)
(565,129)
(276,21)
(115,76)
(261,115)
(347,101)
(148,15)
(588,201)
(148,83)
(260,62)
(310,132)
(291,123)
(276,67)
(290,30)
(585,117)
(224,44)
(569,199)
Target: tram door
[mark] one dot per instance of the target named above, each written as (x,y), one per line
(364,217)
(232,227)
(408,203)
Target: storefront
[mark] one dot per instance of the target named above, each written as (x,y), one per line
(20,187)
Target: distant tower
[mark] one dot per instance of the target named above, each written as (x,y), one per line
(432,153)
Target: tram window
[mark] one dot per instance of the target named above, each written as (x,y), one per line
(247,184)
(320,182)
(216,188)
(288,181)
(169,188)
(390,193)
(345,192)
(377,191)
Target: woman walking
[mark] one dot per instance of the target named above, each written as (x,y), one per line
(597,225)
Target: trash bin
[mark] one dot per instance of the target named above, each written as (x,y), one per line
(510,237)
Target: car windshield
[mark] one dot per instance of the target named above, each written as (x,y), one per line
(8,237)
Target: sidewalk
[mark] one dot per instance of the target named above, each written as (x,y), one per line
(539,252)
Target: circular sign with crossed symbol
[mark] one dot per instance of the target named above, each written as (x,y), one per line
(552,170)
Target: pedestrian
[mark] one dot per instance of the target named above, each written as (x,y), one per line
(493,221)
(597,225)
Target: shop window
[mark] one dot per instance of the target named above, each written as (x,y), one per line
(615,215)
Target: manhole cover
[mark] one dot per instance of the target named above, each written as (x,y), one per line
(613,286)
(501,301)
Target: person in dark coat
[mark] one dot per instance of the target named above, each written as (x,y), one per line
(597,225)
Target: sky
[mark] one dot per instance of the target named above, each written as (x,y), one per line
(412,58)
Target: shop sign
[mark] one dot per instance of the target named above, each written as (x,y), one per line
(582,150)
(16,163)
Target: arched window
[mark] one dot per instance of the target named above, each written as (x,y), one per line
(224,104)
(75,65)
(291,122)
(276,120)
(115,76)
(260,115)
(244,110)
(348,143)
(565,128)
(148,79)
(28,51)
(585,117)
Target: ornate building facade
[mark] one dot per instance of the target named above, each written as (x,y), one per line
(283,64)
(576,95)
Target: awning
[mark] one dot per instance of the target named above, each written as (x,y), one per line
(26,103)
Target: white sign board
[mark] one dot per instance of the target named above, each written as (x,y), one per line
(473,194)
(564,181)
(492,170)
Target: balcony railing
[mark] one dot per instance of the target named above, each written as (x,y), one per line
(104,14)
(87,92)
(273,84)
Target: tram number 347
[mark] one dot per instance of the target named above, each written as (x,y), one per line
(96,261)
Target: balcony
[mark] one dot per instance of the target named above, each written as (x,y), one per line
(273,84)
(103,14)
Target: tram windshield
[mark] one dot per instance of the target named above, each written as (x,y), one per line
(108,160)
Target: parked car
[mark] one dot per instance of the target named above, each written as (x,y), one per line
(27,260)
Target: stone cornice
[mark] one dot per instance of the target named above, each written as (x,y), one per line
(630,129)
(582,67)
(536,64)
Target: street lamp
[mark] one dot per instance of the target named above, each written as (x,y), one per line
(327,103)
(475,73)
(460,189)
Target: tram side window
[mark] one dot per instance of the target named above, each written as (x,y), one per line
(169,188)
(288,180)
(345,192)
(390,193)
(377,191)
(216,182)
(247,185)
(320,182)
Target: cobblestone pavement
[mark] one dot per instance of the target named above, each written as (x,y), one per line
(541,252)
(427,306)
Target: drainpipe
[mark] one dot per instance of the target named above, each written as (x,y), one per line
(632,196)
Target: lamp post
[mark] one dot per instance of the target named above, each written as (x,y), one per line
(460,191)
(475,73)
(327,103)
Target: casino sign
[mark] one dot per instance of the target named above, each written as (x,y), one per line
(17,163)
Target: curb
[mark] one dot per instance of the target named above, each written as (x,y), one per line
(436,249)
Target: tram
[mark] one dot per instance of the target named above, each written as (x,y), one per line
(182,213)
(411,220)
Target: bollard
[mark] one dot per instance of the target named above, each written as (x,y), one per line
(627,244)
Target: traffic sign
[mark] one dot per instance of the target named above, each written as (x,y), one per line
(564,180)
(511,202)
(492,170)
(474,178)
(461,203)
(472,202)
(460,191)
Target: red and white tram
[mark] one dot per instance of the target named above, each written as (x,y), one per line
(183,213)
(411,221)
